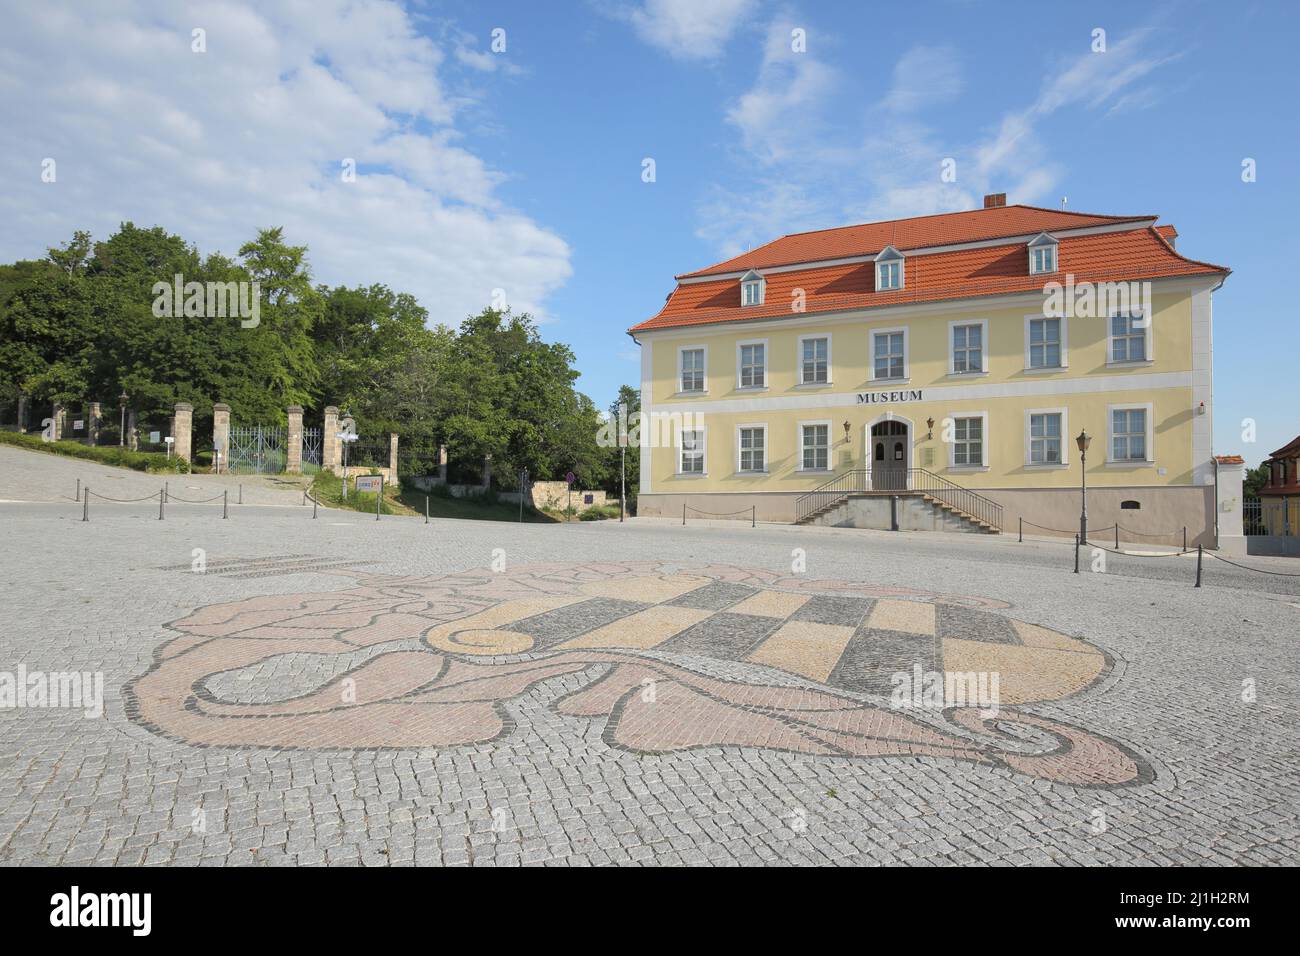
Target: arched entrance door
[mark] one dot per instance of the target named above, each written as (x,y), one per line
(889,458)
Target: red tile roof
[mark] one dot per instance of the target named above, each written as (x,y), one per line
(943,229)
(1229,459)
(1290,450)
(1142,252)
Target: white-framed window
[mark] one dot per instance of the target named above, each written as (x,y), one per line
(753,289)
(751,364)
(814,360)
(1130,438)
(691,362)
(1045,342)
(970,441)
(1046,437)
(889,354)
(814,446)
(690,451)
(968,347)
(1128,338)
(751,448)
(889,270)
(1042,255)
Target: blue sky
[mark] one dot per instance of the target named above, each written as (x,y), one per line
(521,170)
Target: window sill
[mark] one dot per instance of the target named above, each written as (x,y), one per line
(968,468)
(751,388)
(689,394)
(691,474)
(906,380)
(967,374)
(1046,369)
(813,471)
(1047,466)
(1143,363)
(1131,464)
(814,385)
(752,473)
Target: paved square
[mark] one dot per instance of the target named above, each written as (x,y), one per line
(282,690)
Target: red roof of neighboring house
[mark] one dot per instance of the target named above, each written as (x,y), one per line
(1141,252)
(1290,450)
(1229,459)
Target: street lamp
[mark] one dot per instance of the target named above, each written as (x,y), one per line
(1083,441)
(122,400)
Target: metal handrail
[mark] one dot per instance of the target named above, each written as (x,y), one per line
(860,481)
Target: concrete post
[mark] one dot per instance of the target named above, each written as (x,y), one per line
(442,463)
(487,471)
(132,436)
(94,412)
(331,450)
(183,431)
(58,417)
(221,437)
(392,455)
(23,409)
(293,454)
(1229,519)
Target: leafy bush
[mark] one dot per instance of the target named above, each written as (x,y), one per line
(104,455)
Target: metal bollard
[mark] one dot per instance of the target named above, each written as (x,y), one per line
(426,509)
(1116,535)
(85,505)
(313,508)
(683,515)
(1198,565)
(1076,554)
(241,494)
(162,497)
(78,498)
(1022,531)
(1184,537)
(753,516)
(167,489)
(225,504)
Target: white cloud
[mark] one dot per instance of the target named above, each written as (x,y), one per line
(687,29)
(252,133)
(810,172)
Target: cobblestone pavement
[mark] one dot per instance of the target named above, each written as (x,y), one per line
(345,691)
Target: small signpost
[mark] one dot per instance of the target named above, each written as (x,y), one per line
(568,478)
(170,441)
(370,483)
(154,438)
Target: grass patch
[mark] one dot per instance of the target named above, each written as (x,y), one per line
(475,508)
(327,488)
(113,455)
(603,513)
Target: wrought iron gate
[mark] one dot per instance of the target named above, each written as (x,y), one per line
(311,450)
(257,449)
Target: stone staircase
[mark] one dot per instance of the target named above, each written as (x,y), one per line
(921,501)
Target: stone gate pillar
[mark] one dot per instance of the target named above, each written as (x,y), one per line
(442,463)
(293,454)
(22,411)
(132,436)
(331,451)
(392,455)
(183,431)
(59,416)
(487,470)
(221,437)
(94,413)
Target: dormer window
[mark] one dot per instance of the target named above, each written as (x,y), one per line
(889,270)
(752,287)
(1042,255)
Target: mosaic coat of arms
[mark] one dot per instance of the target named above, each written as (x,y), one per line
(669,657)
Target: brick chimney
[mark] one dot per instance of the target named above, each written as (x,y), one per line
(993,200)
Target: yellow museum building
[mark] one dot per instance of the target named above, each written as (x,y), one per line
(935,372)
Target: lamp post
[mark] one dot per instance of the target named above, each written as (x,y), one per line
(1083,441)
(121,436)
